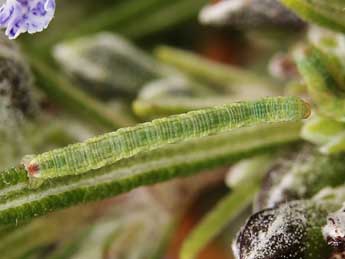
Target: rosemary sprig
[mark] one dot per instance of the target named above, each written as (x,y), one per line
(323,86)
(19,202)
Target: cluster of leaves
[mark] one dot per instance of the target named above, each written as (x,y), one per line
(103,82)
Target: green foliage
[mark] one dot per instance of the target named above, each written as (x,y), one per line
(326,132)
(177,146)
(328,13)
(300,177)
(322,67)
(207,71)
(228,207)
(60,89)
(316,69)
(19,202)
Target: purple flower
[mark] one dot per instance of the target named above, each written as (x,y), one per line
(19,16)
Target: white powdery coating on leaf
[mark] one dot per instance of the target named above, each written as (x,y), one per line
(218,13)
(334,230)
(274,232)
(288,182)
(19,16)
(278,229)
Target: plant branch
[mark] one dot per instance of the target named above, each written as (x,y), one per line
(19,202)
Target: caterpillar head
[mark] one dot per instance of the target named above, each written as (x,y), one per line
(31,165)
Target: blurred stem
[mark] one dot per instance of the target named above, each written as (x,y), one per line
(252,169)
(160,107)
(28,237)
(114,16)
(60,89)
(70,245)
(168,16)
(19,202)
(204,69)
(322,12)
(132,18)
(228,208)
(50,135)
(315,67)
(19,241)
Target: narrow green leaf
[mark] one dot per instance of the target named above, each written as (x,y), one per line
(300,177)
(335,145)
(326,132)
(109,62)
(331,44)
(112,17)
(210,71)
(61,90)
(327,13)
(320,130)
(228,208)
(160,107)
(323,87)
(244,188)
(173,14)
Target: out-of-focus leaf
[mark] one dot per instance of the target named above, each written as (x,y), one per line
(16,104)
(174,86)
(228,208)
(250,14)
(300,177)
(225,76)
(319,73)
(105,64)
(60,89)
(327,13)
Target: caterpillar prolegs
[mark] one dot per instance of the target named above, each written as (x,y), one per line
(108,148)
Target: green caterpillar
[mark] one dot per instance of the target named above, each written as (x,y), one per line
(123,143)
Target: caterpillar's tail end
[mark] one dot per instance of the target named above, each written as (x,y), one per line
(31,166)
